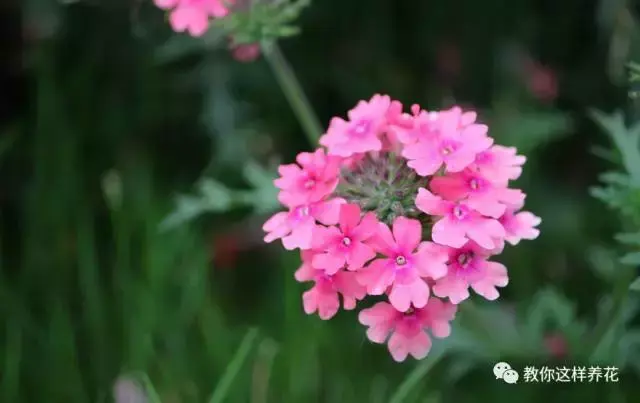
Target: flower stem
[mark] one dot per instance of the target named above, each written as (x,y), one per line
(420,371)
(620,297)
(293,92)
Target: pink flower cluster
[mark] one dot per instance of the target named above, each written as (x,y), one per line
(404,207)
(193,16)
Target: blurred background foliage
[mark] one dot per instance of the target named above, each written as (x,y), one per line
(134,186)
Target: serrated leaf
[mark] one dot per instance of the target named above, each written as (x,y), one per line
(632,259)
(215,196)
(635,285)
(626,140)
(616,178)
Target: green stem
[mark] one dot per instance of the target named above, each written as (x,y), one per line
(620,296)
(293,92)
(419,372)
(231,373)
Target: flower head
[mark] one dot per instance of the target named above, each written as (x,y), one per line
(408,207)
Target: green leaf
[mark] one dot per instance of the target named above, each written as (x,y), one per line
(264,195)
(183,45)
(626,141)
(629,238)
(635,285)
(234,367)
(631,259)
(604,261)
(529,130)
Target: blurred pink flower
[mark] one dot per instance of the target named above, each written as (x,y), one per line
(556,345)
(246,52)
(541,81)
(193,16)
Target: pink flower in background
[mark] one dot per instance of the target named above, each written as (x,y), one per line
(469,267)
(314,177)
(406,262)
(127,390)
(324,296)
(193,16)
(542,81)
(296,227)
(361,133)
(459,222)
(408,330)
(246,52)
(367,225)
(556,345)
(345,245)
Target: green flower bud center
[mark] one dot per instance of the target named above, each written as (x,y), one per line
(383,184)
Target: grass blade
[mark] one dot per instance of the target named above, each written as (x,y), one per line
(221,391)
(419,372)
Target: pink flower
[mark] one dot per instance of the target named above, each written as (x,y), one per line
(408,329)
(323,297)
(345,245)
(361,133)
(499,164)
(356,210)
(455,144)
(481,195)
(296,226)
(520,225)
(542,81)
(459,222)
(406,262)
(192,20)
(246,52)
(404,127)
(468,267)
(193,16)
(556,345)
(312,179)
